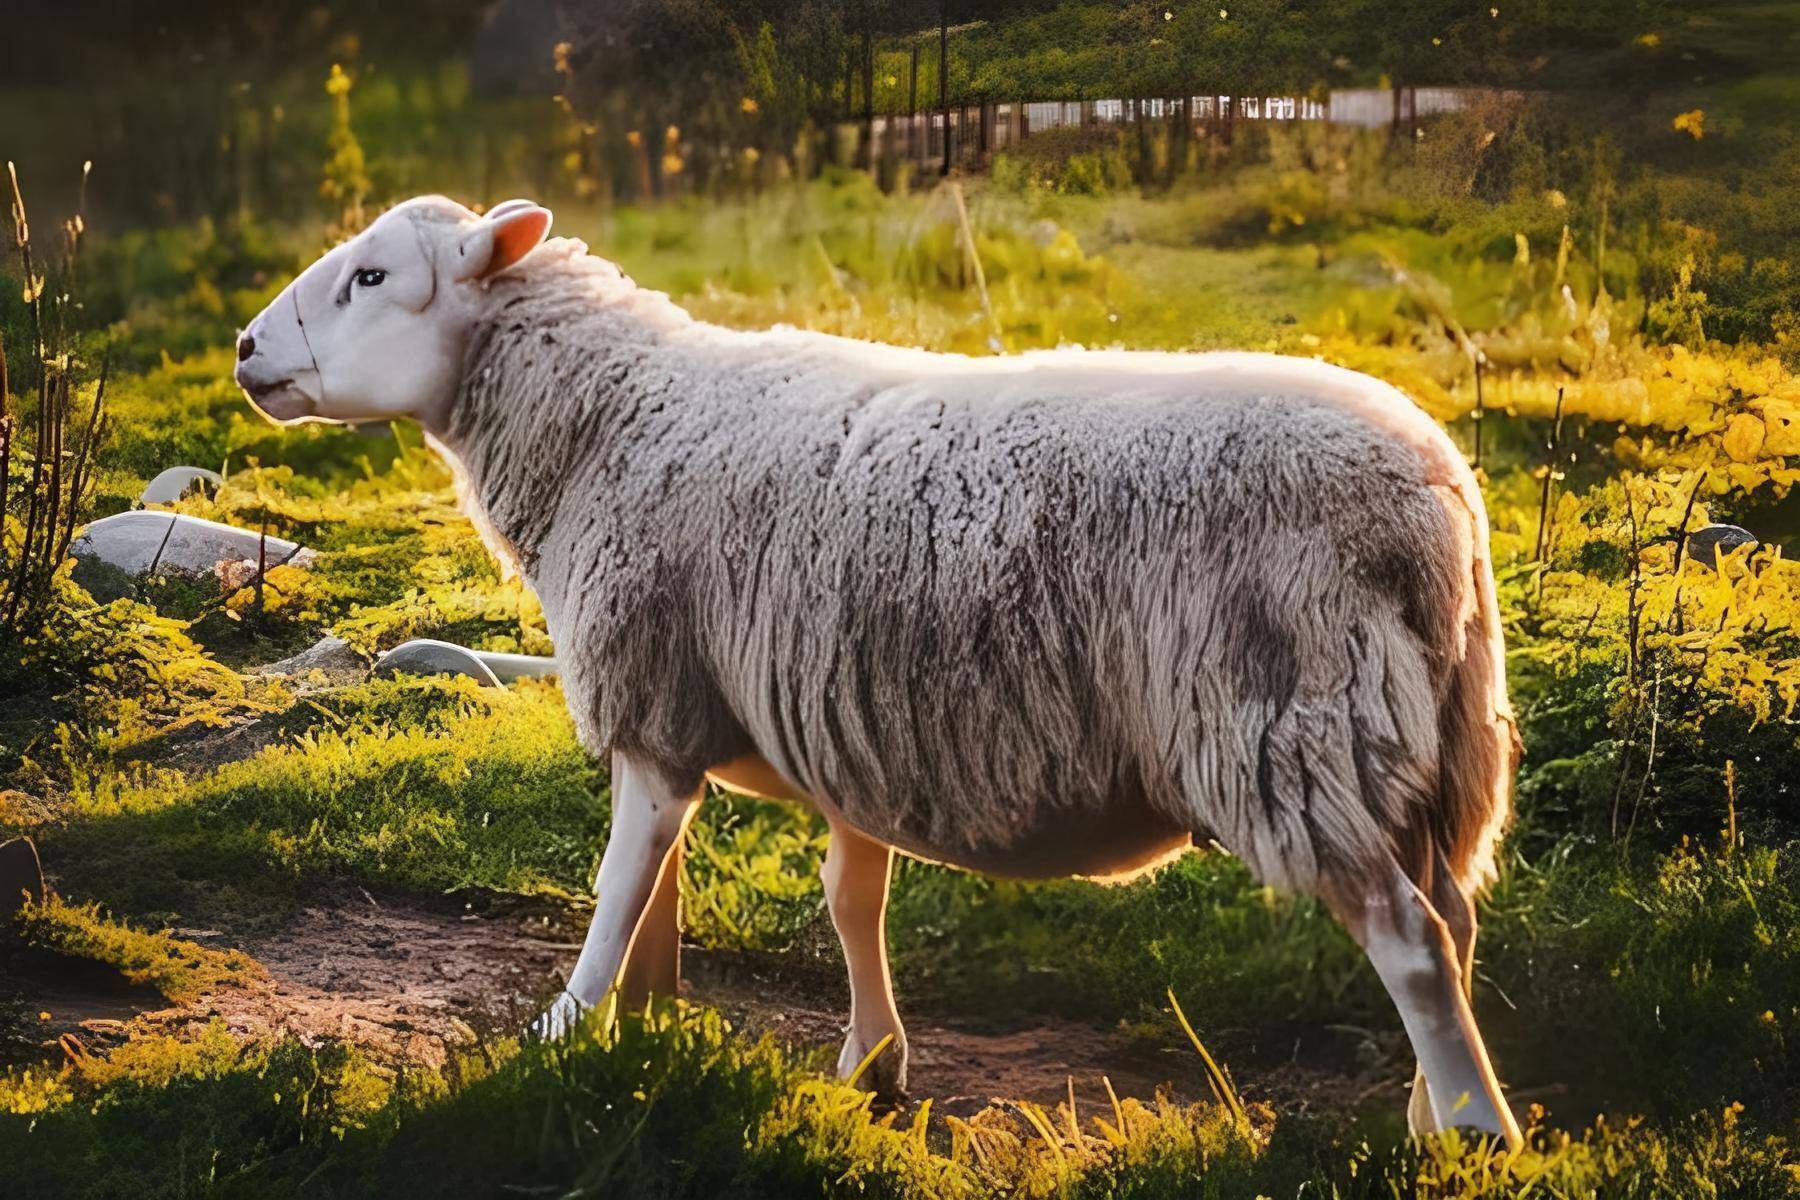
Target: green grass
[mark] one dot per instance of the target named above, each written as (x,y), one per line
(178,968)
(499,796)
(1656,979)
(446,786)
(1651,985)
(672,1103)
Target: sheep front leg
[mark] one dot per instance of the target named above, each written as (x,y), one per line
(649,818)
(856,874)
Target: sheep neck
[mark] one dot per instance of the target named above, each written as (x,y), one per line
(543,365)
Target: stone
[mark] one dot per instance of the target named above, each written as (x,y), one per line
(428,656)
(172,484)
(21,879)
(508,667)
(331,655)
(1706,545)
(139,543)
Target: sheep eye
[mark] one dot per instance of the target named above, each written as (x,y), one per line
(370,278)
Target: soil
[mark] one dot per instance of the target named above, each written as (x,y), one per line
(409,978)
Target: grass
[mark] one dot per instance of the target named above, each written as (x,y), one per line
(500,796)
(1693,952)
(446,786)
(672,1103)
(1651,968)
(178,968)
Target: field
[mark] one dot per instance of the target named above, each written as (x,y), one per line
(303,916)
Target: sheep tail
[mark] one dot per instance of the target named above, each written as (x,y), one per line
(1478,745)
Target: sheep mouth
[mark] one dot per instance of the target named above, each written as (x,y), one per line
(282,401)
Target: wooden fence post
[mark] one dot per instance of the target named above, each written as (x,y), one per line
(912,107)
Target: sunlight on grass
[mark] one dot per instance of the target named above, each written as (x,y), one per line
(1612,300)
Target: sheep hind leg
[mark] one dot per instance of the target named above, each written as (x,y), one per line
(855,874)
(653,965)
(1457,907)
(648,819)
(1410,946)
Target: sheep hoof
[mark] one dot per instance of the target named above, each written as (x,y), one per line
(1496,1140)
(564,1013)
(886,1076)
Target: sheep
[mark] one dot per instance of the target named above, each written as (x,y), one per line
(1059,613)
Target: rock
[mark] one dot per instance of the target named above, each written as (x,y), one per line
(172,484)
(141,542)
(508,667)
(428,656)
(1705,546)
(114,551)
(21,879)
(331,655)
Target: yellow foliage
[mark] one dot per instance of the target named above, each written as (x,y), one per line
(1744,436)
(1781,422)
(1728,636)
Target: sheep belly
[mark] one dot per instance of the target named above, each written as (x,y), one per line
(1118,840)
(751,775)
(1114,841)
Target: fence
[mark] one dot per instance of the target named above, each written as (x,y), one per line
(979,130)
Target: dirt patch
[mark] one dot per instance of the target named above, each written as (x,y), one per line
(52,996)
(962,1065)
(405,978)
(198,749)
(400,978)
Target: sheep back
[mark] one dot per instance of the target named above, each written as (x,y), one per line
(965,600)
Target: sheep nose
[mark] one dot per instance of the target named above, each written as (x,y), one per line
(246,347)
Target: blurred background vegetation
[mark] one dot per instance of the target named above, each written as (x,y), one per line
(1586,266)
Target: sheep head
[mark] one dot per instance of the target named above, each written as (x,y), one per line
(374,330)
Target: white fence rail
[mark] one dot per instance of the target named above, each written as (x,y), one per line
(1010,123)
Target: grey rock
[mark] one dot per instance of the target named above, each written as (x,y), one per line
(428,656)
(139,543)
(330,654)
(173,483)
(1706,545)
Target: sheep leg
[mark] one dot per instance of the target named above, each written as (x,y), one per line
(1411,949)
(648,819)
(1457,908)
(855,874)
(653,964)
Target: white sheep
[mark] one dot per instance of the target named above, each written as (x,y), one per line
(1061,613)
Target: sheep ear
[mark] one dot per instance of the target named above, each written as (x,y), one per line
(507,206)
(508,234)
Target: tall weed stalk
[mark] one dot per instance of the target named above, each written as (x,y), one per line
(47,432)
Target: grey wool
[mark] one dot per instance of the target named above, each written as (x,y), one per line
(1010,613)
